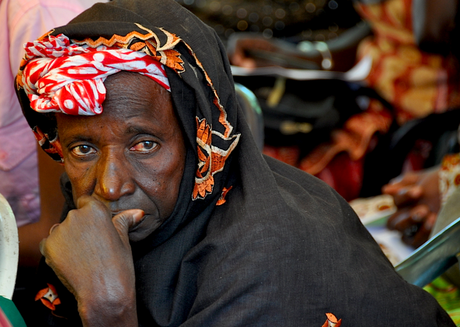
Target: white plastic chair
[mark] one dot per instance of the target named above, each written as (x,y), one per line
(9,249)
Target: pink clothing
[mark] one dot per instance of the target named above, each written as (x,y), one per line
(22,21)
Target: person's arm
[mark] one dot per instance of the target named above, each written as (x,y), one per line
(91,255)
(433,22)
(252,50)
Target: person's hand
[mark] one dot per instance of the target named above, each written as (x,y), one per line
(416,195)
(90,253)
(250,50)
(242,50)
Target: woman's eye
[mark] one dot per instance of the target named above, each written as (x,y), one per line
(144,146)
(83,150)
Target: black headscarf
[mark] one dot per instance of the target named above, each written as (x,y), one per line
(263,244)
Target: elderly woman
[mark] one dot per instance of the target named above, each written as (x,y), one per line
(174,217)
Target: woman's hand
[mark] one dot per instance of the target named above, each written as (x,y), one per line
(90,253)
(416,194)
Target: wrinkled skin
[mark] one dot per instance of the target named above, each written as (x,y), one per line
(125,167)
(416,194)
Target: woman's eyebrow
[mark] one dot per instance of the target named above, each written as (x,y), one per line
(138,130)
(66,141)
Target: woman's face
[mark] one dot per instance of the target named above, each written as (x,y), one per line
(132,155)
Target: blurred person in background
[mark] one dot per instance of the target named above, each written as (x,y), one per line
(412,77)
(420,194)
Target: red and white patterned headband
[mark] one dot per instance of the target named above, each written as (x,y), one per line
(69,78)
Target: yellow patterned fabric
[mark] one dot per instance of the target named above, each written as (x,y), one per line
(416,83)
(449,175)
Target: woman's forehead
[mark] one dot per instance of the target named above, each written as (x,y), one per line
(130,92)
(134,103)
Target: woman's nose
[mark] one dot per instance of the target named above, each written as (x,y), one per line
(114,178)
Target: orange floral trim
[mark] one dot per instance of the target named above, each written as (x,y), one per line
(116,39)
(223,114)
(222,199)
(211,159)
(149,43)
(49,297)
(39,136)
(54,145)
(332,321)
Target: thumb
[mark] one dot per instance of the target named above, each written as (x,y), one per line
(126,220)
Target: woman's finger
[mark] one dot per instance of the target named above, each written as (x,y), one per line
(422,233)
(126,220)
(41,246)
(399,220)
(52,228)
(401,182)
(408,220)
(407,195)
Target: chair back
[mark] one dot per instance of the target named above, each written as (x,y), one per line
(9,249)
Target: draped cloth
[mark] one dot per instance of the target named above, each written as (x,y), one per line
(68,78)
(251,241)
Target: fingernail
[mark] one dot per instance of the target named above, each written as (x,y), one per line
(417,217)
(402,191)
(429,223)
(138,214)
(41,246)
(420,213)
(52,228)
(415,191)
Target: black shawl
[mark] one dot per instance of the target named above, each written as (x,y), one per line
(261,243)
